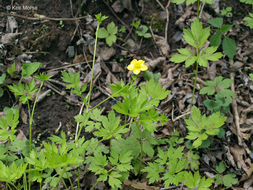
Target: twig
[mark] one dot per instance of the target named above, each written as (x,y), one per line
(201,9)
(179,117)
(236,115)
(117,16)
(161,5)
(167,21)
(40,17)
(68,65)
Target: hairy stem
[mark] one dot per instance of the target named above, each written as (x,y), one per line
(92,70)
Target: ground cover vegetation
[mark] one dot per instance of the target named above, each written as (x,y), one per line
(134,112)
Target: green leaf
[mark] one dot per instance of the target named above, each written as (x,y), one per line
(43,77)
(111,28)
(215,39)
(153,170)
(111,39)
(229,180)
(225,28)
(11,173)
(216,22)
(226,83)
(251,76)
(148,149)
(201,126)
(111,127)
(229,47)
(188,2)
(102,33)
(11,70)
(249,20)
(29,68)
(247,2)
(100,18)
(72,78)
(221,168)
(155,90)
(208,54)
(178,1)
(2,78)
(113,181)
(196,182)
(188,37)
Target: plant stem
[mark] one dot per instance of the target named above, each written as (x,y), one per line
(195,80)
(94,185)
(60,177)
(31,116)
(92,70)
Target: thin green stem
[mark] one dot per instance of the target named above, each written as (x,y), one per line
(31,116)
(110,97)
(60,177)
(9,186)
(78,179)
(92,70)
(94,185)
(195,81)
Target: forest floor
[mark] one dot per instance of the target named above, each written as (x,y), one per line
(61,44)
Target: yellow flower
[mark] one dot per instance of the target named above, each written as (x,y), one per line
(137,66)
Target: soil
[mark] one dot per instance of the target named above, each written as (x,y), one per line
(48,42)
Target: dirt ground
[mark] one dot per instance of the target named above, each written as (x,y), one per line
(49,42)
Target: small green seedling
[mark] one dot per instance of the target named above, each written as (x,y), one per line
(228,44)
(143,32)
(61,24)
(108,33)
(136,24)
(251,76)
(228,180)
(223,97)
(140,29)
(227,12)
(201,127)
(11,69)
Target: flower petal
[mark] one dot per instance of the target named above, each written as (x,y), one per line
(130,67)
(137,71)
(134,61)
(141,62)
(144,67)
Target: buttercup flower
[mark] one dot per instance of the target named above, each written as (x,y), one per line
(137,66)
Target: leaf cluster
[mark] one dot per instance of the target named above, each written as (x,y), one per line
(8,124)
(228,180)
(135,103)
(73,80)
(249,20)
(228,44)
(114,168)
(223,95)
(108,33)
(196,37)
(200,126)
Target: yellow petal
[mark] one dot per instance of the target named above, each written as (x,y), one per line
(137,71)
(130,67)
(144,67)
(141,62)
(134,61)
